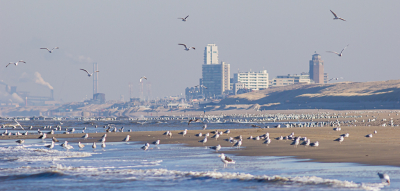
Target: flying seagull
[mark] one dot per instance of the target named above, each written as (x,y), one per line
(202,86)
(141,78)
(336,17)
(186,48)
(16,63)
(89,74)
(50,51)
(184,19)
(341,52)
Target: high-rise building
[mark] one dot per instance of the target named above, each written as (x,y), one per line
(211,54)
(290,79)
(317,69)
(252,80)
(216,77)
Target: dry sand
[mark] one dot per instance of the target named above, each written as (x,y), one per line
(382,149)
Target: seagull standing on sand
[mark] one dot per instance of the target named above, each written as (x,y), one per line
(238,144)
(204,140)
(141,78)
(184,19)
(187,48)
(89,74)
(85,136)
(16,63)
(336,17)
(50,51)
(339,54)
(226,160)
(384,177)
(127,138)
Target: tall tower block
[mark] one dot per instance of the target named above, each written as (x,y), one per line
(95,79)
(317,69)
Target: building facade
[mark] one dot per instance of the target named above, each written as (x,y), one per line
(252,80)
(211,54)
(316,70)
(291,79)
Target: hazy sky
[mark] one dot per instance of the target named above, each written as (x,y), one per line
(130,39)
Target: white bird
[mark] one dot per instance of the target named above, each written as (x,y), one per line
(146,146)
(226,160)
(369,135)
(103,145)
(384,177)
(43,136)
(216,136)
(204,140)
(156,142)
(186,48)
(81,145)
(50,51)
(375,132)
(341,139)
(205,127)
(16,63)
(141,78)
(20,141)
(316,144)
(339,54)
(184,132)
(89,74)
(216,148)
(268,141)
(54,139)
(94,146)
(184,19)
(50,146)
(103,139)
(228,131)
(85,136)
(238,144)
(336,17)
(127,138)
(200,134)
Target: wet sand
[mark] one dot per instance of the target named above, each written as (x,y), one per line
(382,149)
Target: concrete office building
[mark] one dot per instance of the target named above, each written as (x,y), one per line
(290,79)
(252,80)
(317,69)
(216,77)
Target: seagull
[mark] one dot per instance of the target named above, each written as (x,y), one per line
(50,51)
(144,77)
(268,141)
(336,17)
(216,148)
(85,136)
(16,63)
(186,48)
(204,140)
(205,127)
(103,145)
(194,120)
(50,146)
(81,145)
(42,137)
(156,142)
(20,141)
(89,74)
(226,160)
(184,19)
(369,135)
(339,54)
(202,86)
(146,146)
(127,138)
(184,132)
(239,143)
(94,145)
(54,139)
(384,177)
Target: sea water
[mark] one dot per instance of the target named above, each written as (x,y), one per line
(125,166)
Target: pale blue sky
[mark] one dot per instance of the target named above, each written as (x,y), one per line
(129,39)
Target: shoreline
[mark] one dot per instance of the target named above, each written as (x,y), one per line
(381,149)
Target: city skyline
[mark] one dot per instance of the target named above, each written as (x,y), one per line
(133,39)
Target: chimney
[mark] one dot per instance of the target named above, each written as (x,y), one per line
(52,95)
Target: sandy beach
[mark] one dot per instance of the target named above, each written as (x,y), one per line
(381,149)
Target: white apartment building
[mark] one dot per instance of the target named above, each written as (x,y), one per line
(211,54)
(252,80)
